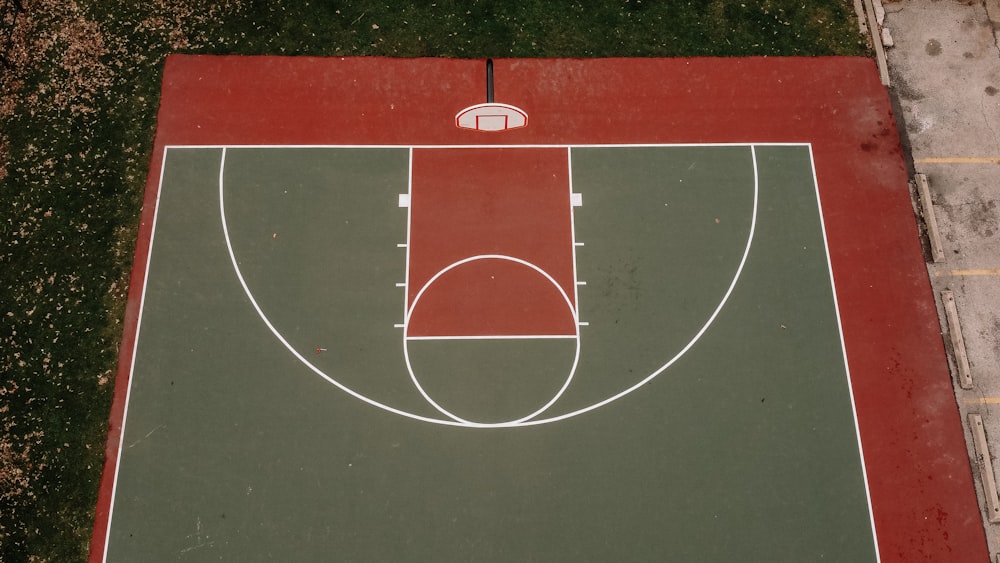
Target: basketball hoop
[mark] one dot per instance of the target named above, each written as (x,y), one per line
(491,116)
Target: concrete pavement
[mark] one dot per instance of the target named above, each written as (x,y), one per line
(944,67)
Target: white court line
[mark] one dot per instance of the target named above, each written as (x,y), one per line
(523,146)
(843,349)
(494,337)
(409,217)
(572,233)
(135,350)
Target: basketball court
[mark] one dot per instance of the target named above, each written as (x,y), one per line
(635,310)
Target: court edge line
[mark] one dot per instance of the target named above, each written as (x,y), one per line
(843,350)
(684,350)
(135,349)
(513,146)
(427,419)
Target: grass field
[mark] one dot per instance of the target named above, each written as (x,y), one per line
(80,85)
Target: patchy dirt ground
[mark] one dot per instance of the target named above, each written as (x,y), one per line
(74,78)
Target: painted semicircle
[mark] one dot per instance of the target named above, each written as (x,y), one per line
(491,298)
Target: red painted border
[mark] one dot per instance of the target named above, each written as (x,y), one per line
(918,468)
(125,353)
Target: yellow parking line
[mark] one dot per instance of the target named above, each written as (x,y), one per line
(959,160)
(982,272)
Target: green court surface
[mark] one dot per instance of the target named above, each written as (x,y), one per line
(699,409)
